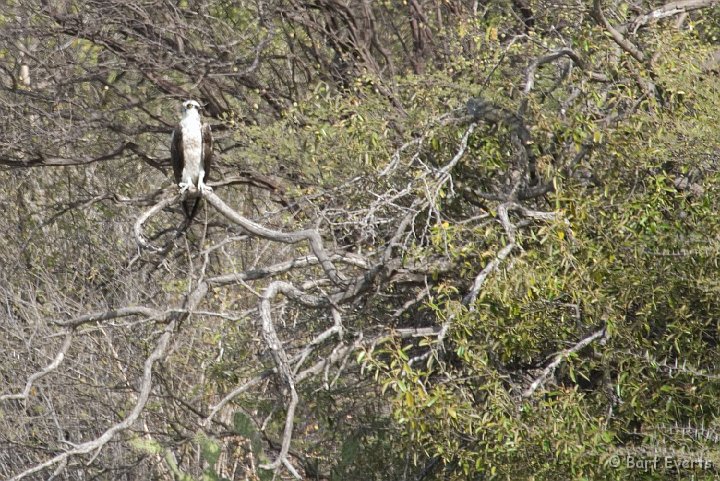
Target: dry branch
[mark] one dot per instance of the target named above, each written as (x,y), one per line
(44,372)
(561,356)
(469,299)
(670,9)
(551,57)
(281,361)
(56,161)
(107,315)
(138,228)
(282,267)
(310,235)
(615,34)
(100,441)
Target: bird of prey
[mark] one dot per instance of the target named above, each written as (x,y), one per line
(191,154)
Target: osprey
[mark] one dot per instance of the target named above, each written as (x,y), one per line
(191,154)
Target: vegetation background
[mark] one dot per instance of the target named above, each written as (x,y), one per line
(448,239)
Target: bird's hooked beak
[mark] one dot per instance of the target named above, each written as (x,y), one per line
(188,106)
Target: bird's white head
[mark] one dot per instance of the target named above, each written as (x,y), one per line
(191,108)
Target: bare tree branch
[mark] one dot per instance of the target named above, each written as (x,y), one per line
(469,299)
(106,315)
(281,361)
(138,228)
(98,443)
(310,235)
(561,356)
(551,57)
(42,160)
(44,372)
(670,9)
(297,263)
(618,37)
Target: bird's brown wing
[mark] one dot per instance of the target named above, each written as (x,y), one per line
(207,150)
(176,154)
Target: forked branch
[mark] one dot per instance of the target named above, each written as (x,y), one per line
(310,235)
(100,441)
(560,357)
(59,357)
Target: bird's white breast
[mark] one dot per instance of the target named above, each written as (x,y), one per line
(192,146)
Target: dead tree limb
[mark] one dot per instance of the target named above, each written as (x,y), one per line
(310,235)
(100,441)
(551,57)
(59,357)
(107,315)
(670,9)
(138,228)
(560,357)
(469,299)
(281,362)
(615,34)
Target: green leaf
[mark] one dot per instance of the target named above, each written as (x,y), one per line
(209,448)
(244,426)
(149,446)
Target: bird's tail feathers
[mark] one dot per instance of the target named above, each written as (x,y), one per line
(190,208)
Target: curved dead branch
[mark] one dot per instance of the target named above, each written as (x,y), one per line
(140,238)
(99,442)
(44,372)
(670,9)
(551,57)
(310,235)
